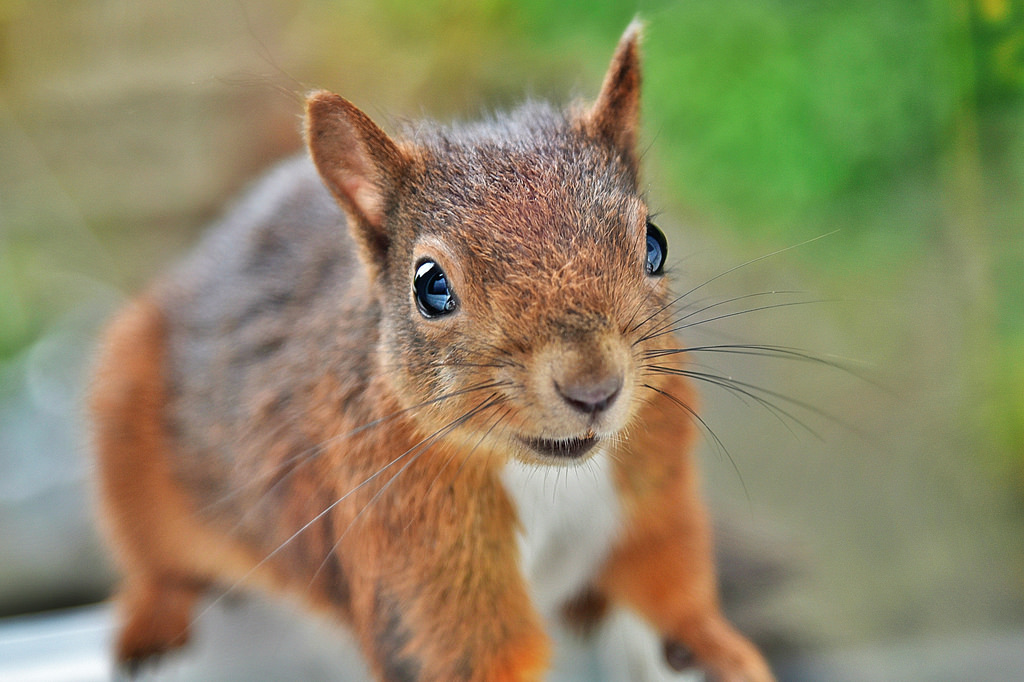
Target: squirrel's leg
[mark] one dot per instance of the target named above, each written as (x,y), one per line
(167,554)
(139,498)
(663,565)
(156,615)
(443,599)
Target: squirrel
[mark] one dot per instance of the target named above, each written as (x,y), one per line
(352,393)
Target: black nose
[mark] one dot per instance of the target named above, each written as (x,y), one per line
(590,397)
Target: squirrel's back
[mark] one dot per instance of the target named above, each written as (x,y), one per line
(269,300)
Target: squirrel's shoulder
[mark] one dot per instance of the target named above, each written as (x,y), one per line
(274,268)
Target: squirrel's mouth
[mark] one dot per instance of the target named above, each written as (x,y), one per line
(568,448)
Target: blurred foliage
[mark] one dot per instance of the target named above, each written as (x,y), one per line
(998,30)
(783,108)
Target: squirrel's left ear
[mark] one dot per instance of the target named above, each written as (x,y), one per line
(615,116)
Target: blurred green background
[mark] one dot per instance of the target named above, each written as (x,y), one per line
(126,125)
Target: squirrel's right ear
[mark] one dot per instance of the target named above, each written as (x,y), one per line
(360,164)
(615,116)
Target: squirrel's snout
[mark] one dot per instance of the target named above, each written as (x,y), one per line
(582,385)
(590,396)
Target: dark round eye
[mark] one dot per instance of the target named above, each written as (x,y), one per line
(433,295)
(657,250)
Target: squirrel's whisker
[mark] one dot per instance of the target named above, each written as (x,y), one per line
(416,451)
(674,322)
(465,459)
(732,270)
(462,465)
(737,313)
(768,351)
(743,389)
(697,419)
(299,459)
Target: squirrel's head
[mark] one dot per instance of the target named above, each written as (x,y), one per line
(514,261)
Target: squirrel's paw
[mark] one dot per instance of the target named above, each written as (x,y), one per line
(720,652)
(156,619)
(524,661)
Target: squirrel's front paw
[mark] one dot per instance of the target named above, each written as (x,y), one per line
(720,652)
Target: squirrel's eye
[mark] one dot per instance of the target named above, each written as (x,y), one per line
(657,250)
(433,295)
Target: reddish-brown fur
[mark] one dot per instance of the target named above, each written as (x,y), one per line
(275,413)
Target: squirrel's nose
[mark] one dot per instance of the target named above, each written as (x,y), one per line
(590,396)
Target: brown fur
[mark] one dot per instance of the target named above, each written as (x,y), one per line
(276,412)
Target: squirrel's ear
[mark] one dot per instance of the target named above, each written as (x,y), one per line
(360,164)
(615,115)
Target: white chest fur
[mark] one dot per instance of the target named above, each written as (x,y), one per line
(569,519)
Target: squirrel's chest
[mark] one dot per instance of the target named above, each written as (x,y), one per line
(569,518)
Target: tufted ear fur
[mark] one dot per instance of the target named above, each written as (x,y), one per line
(615,116)
(359,163)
